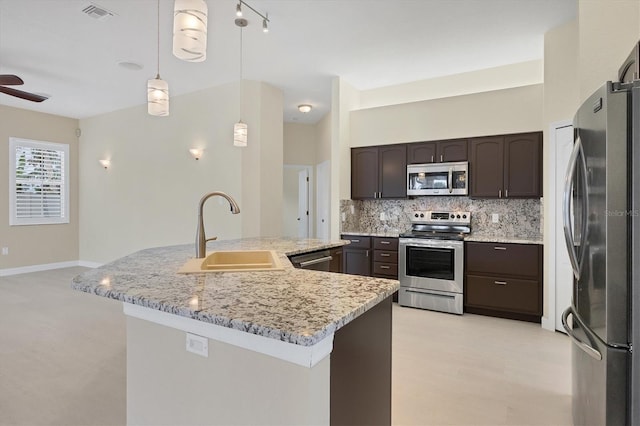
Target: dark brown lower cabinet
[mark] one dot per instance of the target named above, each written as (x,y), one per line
(361,369)
(504,280)
(371,256)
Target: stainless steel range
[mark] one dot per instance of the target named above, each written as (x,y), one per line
(431,261)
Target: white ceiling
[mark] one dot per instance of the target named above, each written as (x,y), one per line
(61,52)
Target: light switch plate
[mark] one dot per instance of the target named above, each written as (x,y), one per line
(198,345)
(495,217)
(5,251)
(343,216)
(383,216)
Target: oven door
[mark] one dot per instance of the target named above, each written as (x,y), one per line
(431,264)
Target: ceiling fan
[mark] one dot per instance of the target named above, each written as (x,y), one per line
(14,80)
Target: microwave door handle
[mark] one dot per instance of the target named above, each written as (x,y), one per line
(566,208)
(450,180)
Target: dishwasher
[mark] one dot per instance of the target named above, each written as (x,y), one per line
(321,260)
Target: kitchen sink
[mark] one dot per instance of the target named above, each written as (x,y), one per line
(234,261)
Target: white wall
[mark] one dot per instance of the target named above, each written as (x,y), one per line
(608,30)
(38,244)
(300,144)
(498,112)
(485,80)
(150,194)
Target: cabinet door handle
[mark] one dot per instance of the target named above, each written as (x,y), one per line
(441,158)
(432,158)
(499,248)
(385,255)
(500,193)
(506,193)
(384,267)
(500,282)
(375,195)
(355,241)
(385,242)
(366,253)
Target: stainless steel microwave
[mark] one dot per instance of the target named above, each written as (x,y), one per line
(438,179)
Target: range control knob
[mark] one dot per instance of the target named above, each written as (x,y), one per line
(416,215)
(421,214)
(458,216)
(464,216)
(452,216)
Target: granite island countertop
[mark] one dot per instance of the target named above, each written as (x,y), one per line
(292,305)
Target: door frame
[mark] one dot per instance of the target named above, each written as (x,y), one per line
(310,194)
(549,322)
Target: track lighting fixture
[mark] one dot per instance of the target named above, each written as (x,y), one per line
(265,18)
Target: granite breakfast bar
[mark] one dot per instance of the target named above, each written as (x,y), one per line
(291,346)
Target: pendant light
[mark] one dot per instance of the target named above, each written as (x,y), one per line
(158,89)
(190,30)
(240,129)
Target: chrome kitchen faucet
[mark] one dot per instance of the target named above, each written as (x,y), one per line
(201,239)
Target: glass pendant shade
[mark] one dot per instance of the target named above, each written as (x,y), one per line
(240,134)
(157,97)
(190,30)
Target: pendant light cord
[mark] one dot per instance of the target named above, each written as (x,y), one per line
(158,33)
(240,74)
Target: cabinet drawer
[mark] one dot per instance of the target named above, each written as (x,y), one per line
(358,241)
(522,296)
(386,269)
(380,243)
(503,259)
(385,256)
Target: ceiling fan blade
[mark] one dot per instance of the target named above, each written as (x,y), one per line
(23,95)
(10,80)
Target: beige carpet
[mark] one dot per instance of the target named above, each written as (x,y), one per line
(63,361)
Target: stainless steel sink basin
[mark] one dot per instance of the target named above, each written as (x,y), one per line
(234,261)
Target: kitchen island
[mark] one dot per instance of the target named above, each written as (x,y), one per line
(290,346)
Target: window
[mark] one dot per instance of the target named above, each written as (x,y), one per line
(38,182)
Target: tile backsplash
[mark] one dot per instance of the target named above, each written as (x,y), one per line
(520,218)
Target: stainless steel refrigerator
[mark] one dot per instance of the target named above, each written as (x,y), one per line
(601,224)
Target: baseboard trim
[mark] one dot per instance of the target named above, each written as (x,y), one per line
(46,267)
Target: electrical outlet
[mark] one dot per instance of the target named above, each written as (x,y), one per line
(343,216)
(5,251)
(495,218)
(198,345)
(352,209)
(383,216)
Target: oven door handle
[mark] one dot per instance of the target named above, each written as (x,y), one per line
(422,244)
(427,292)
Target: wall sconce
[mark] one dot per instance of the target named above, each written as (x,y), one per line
(196,152)
(190,30)
(304,108)
(105,163)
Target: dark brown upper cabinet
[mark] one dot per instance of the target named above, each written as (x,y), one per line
(437,151)
(379,172)
(506,166)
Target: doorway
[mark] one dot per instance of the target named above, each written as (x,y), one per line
(297,201)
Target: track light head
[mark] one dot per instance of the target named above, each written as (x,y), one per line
(239,10)
(265,27)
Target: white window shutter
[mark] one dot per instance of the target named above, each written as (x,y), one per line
(39,174)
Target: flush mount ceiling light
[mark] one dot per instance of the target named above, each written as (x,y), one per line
(190,30)
(304,108)
(158,89)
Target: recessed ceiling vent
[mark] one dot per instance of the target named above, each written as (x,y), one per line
(98,12)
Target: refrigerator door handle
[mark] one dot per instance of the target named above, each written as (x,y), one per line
(566,207)
(588,349)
